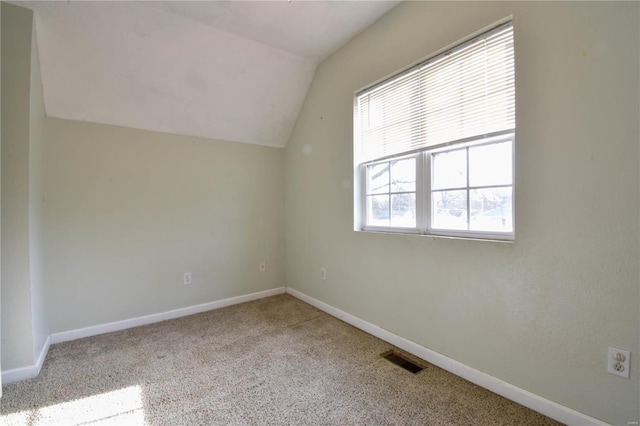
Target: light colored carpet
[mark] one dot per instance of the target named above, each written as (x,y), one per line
(275,361)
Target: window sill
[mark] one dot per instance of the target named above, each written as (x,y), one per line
(415,233)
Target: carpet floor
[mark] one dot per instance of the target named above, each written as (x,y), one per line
(274,361)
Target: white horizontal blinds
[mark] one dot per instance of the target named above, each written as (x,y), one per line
(470,91)
(389,117)
(462,93)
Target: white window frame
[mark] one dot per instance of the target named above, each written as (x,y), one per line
(424,211)
(419,191)
(424,178)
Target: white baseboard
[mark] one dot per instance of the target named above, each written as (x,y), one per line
(542,405)
(18,374)
(535,402)
(43,354)
(29,372)
(66,336)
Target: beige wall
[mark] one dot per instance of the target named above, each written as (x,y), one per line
(0,204)
(24,319)
(129,211)
(538,313)
(17,344)
(36,201)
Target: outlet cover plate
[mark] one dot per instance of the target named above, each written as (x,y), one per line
(619,368)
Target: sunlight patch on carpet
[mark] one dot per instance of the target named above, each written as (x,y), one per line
(122,406)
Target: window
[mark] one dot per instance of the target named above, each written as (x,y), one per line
(391,193)
(433,145)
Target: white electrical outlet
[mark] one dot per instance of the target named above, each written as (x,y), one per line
(619,362)
(263,266)
(323,273)
(186,280)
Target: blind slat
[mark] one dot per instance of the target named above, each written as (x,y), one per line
(464,92)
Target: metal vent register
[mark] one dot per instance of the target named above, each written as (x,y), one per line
(401,361)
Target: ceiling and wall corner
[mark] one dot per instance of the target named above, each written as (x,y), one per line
(235,71)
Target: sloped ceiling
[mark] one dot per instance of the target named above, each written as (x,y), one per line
(236,71)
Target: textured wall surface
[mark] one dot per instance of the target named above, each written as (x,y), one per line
(17,344)
(0,207)
(40,326)
(129,211)
(538,313)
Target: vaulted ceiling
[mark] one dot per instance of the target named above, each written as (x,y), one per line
(236,71)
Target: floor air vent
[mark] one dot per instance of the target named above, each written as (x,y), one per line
(401,361)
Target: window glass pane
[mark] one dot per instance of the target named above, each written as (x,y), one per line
(403,175)
(378,176)
(490,164)
(449,209)
(450,169)
(491,209)
(403,210)
(378,210)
